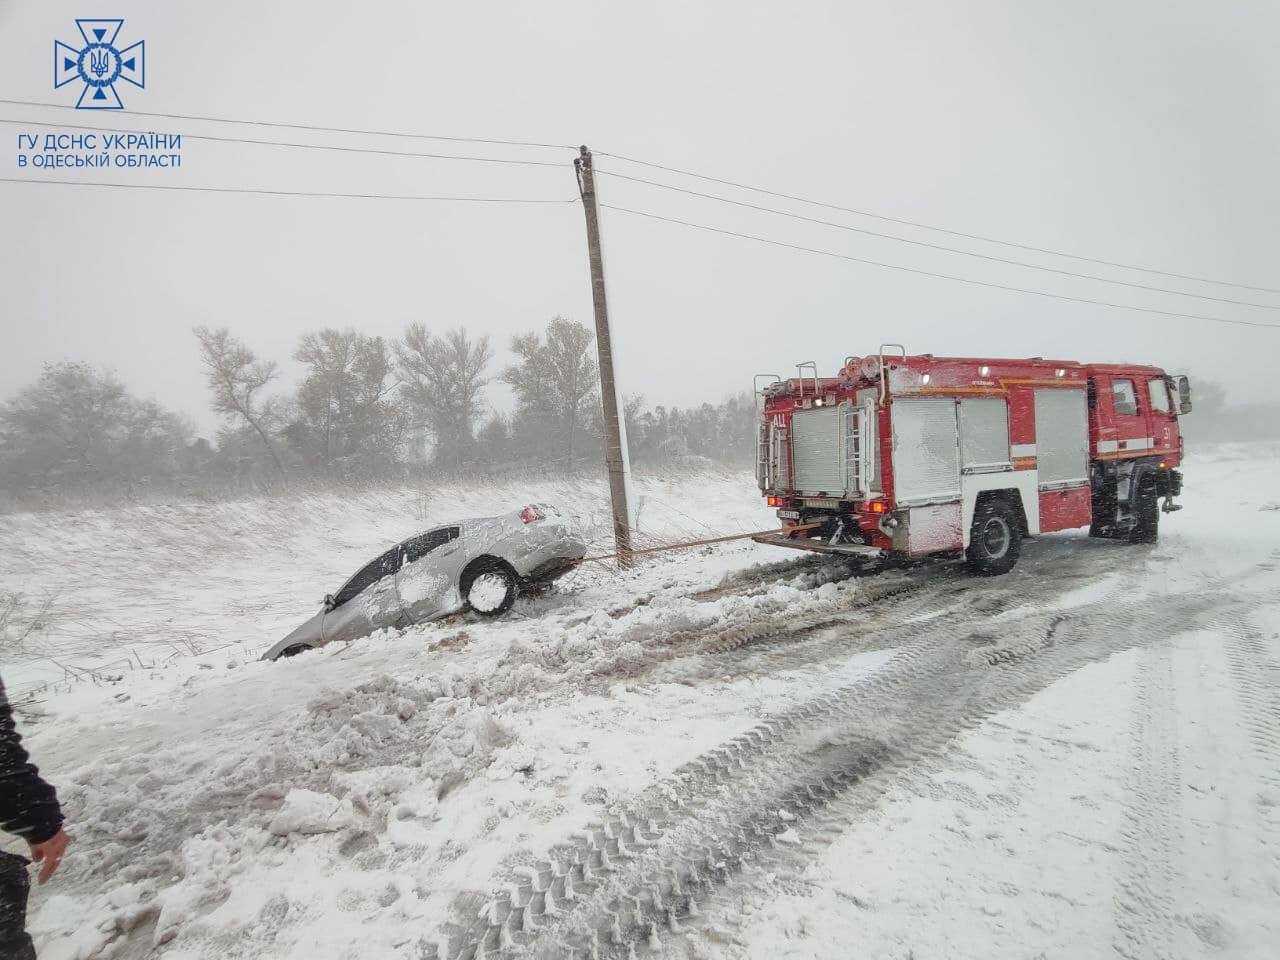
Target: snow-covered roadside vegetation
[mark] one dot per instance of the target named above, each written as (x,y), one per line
(358,798)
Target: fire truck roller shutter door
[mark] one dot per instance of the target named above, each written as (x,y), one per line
(926,450)
(1062,452)
(984,434)
(817,450)
(1062,437)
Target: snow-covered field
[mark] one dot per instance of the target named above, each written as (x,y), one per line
(728,752)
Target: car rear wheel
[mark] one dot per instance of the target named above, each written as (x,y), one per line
(492,591)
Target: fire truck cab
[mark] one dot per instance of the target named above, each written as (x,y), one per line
(909,456)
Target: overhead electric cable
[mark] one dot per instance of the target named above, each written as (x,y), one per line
(308,126)
(926,226)
(282,193)
(933,246)
(940,276)
(292,144)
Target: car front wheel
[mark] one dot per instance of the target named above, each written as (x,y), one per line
(492,592)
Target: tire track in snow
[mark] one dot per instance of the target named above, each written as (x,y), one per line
(1144,902)
(662,860)
(1255,671)
(858,623)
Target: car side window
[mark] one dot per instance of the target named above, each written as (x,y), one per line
(1159,394)
(1124,397)
(420,546)
(371,573)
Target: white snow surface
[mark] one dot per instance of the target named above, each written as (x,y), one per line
(339,804)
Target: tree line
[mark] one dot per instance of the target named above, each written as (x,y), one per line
(365,408)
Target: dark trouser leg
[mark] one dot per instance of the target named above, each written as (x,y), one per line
(14,885)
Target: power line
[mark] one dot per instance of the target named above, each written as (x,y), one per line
(300,146)
(281,193)
(934,246)
(309,126)
(925,226)
(939,276)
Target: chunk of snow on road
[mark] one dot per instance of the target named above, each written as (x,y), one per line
(305,811)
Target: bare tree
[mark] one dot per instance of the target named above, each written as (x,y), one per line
(237,378)
(343,409)
(443,377)
(555,377)
(79,424)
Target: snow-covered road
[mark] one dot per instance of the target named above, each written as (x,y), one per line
(726,753)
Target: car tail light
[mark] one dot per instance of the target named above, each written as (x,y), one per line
(531,514)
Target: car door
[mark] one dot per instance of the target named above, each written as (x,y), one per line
(428,577)
(365,603)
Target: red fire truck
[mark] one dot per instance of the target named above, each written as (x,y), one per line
(907,456)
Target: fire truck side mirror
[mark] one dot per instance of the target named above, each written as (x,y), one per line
(1183,386)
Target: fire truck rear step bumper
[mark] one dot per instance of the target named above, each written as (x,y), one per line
(860,550)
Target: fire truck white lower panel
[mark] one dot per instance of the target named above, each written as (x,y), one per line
(817,450)
(1062,437)
(926,450)
(1024,483)
(933,528)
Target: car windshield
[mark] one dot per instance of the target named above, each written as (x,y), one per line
(371,573)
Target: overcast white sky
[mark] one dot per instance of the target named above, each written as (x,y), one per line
(1143,132)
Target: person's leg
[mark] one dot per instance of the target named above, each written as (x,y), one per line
(15,883)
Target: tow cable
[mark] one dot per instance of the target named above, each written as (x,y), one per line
(686,544)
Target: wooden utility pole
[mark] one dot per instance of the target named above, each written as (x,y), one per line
(615,457)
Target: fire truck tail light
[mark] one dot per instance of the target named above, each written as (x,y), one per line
(774,501)
(876,506)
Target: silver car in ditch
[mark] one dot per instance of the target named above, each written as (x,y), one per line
(480,565)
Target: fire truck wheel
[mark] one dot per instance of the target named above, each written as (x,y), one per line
(995,540)
(1146,529)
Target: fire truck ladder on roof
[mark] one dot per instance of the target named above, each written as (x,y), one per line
(800,369)
(884,377)
(757,391)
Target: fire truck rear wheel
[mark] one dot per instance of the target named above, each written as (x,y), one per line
(995,539)
(1146,529)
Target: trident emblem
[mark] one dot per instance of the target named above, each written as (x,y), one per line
(98,63)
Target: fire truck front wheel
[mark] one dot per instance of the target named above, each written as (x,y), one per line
(1146,512)
(995,540)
